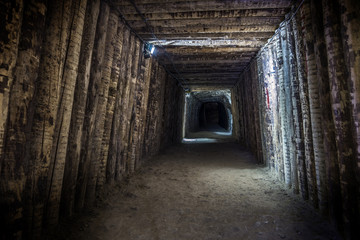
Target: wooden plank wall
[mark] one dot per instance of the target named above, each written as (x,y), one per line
(80,107)
(297,108)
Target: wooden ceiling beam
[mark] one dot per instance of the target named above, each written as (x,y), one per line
(202,61)
(235,71)
(137,2)
(213,36)
(191,70)
(224,79)
(210,42)
(270,12)
(217,78)
(209,76)
(206,22)
(211,80)
(209,29)
(193,76)
(220,72)
(229,43)
(209,88)
(235,66)
(213,55)
(224,84)
(199,60)
(210,61)
(210,5)
(211,84)
(205,65)
(205,75)
(204,50)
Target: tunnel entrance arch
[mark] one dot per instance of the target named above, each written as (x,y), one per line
(208,111)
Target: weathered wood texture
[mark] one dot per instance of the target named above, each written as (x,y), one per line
(242,26)
(14,168)
(11,19)
(155,110)
(64,110)
(172,116)
(78,111)
(79,105)
(340,88)
(49,92)
(306,83)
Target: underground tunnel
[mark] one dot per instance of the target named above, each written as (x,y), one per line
(207,116)
(179,119)
(213,113)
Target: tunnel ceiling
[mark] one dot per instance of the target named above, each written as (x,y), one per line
(222,96)
(206,44)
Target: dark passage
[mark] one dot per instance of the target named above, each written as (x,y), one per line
(213,113)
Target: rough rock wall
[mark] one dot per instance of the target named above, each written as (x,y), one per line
(223,117)
(298,107)
(245,109)
(193,105)
(80,107)
(172,113)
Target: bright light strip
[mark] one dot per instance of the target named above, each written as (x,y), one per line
(152,49)
(200,140)
(209,42)
(223,133)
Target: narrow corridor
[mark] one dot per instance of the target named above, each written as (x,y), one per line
(200,191)
(179,119)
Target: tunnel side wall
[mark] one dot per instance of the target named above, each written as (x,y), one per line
(224,119)
(192,118)
(80,108)
(296,107)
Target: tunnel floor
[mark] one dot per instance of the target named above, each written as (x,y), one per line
(200,191)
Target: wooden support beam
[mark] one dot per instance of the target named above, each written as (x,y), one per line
(208,29)
(205,65)
(210,61)
(208,70)
(211,5)
(210,75)
(210,87)
(214,36)
(210,43)
(204,50)
(204,87)
(271,12)
(207,22)
(137,2)
(215,56)
(211,80)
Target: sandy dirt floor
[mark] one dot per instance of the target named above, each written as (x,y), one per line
(209,134)
(203,191)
